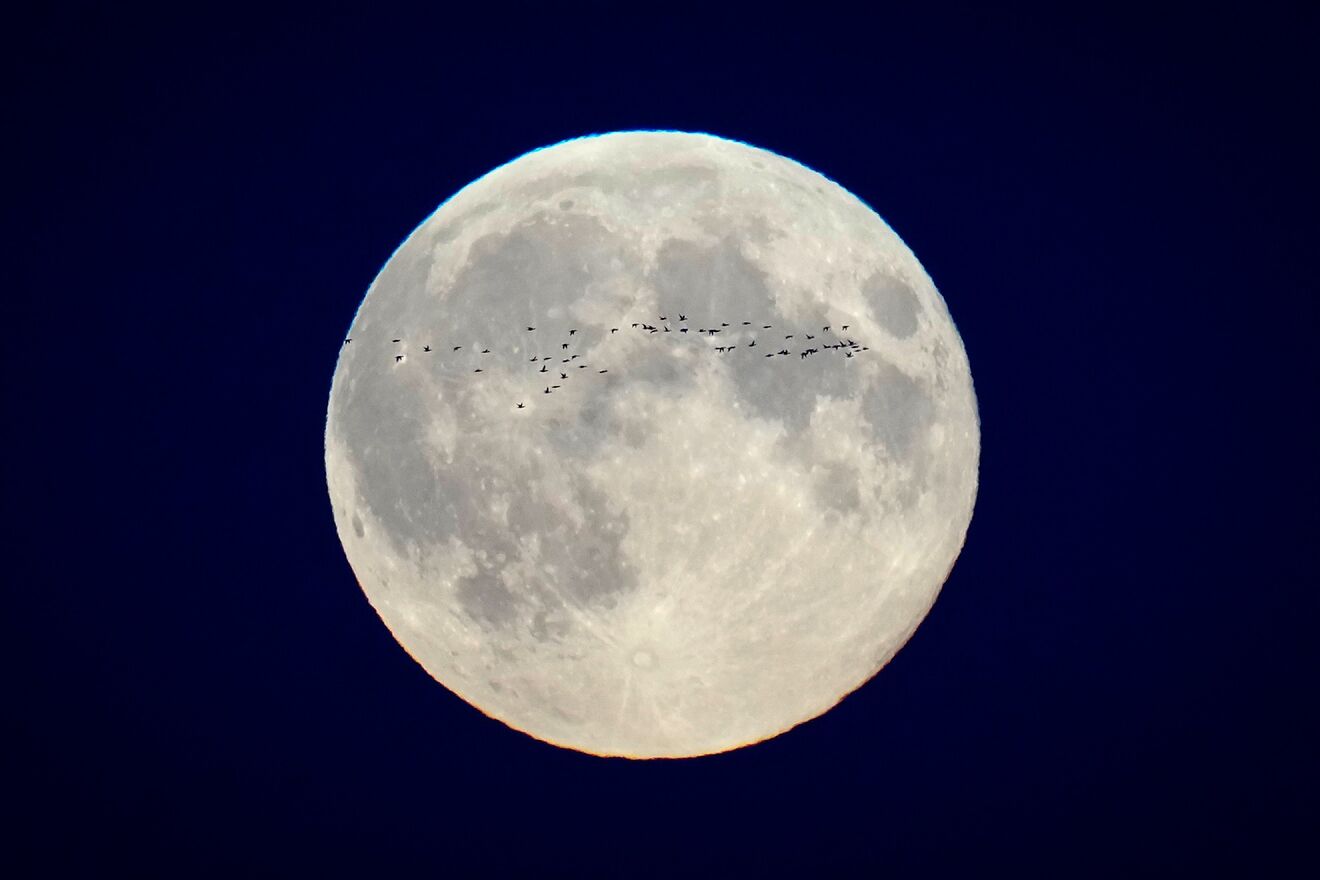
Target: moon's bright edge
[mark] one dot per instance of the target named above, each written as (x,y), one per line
(694,550)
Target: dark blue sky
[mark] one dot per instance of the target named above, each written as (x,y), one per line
(1119,209)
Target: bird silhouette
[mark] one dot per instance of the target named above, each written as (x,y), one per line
(614,330)
(563,346)
(752,344)
(477,370)
(485,351)
(789,336)
(770,355)
(634,325)
(766,327)
(563,375)
(845,326)
(682,329)
(542,370)
(531,328)
(682,317)
(571,332)
(397,358)
(604,371)
(581,367)
(396,340)
(666,328)
(534,359)
(724,323)
(664,317)
(745,323)
(520,406)
(457,347)
(348,340)
(547,389)
(426,348)
(825,329)
(720,349)
(554,386)
(809,336)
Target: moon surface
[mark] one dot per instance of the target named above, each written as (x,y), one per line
(675,550)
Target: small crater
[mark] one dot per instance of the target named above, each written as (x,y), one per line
(357,526)
(565,204)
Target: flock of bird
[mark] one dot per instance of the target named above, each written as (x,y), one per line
(844,345)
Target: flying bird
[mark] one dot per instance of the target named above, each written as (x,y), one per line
(397,358)
(845,326)
(563,346)
(547,389)
(745,323)
(614,330)
(477,370)
(809,336)
(485,351)
(457,347)
(520,406)
(752,344)
(396,340)
(563,375)
(348,340)
(604,371)
(682,317)
(542,370)
(426,348)
(571,332)
(531,328)
(766,327)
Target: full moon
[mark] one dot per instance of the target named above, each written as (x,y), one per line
(652,444)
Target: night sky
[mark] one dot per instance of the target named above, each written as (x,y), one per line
(1120,210)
